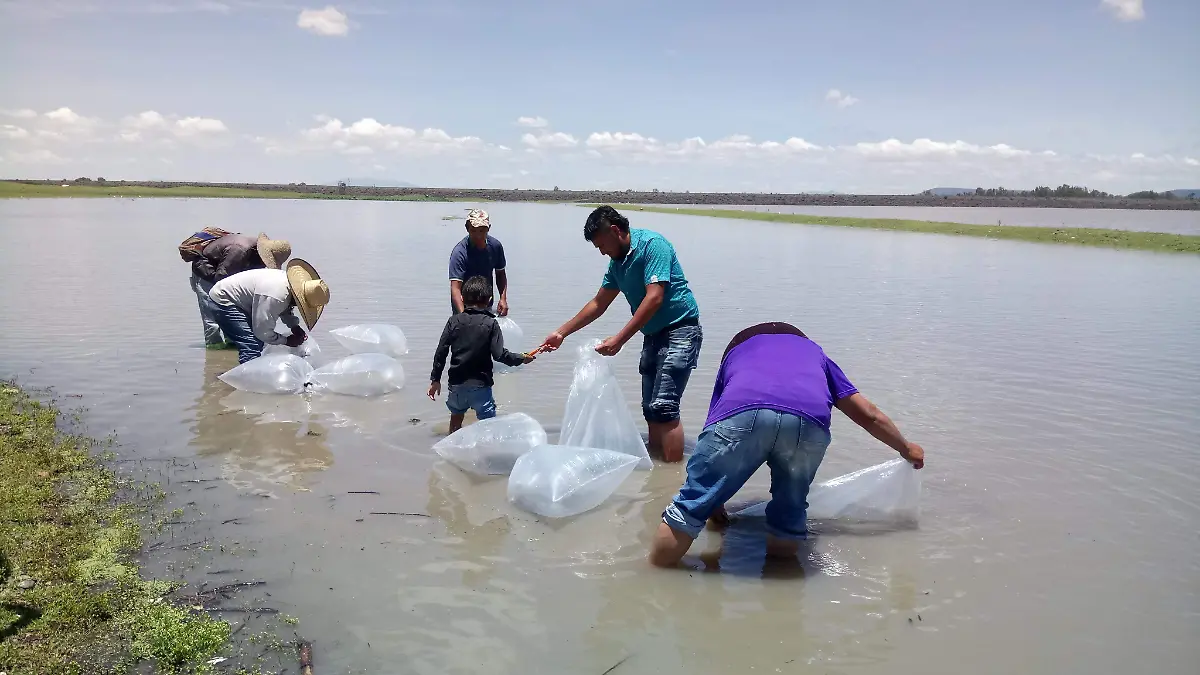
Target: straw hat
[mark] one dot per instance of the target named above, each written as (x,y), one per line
(274,252)
(478,218)
(310,292)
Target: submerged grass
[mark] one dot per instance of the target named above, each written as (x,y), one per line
(11,189)
(72,600)
(1121,239)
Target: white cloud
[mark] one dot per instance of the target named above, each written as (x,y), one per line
(533,122)
(1190,161)
(731,148)
(199,125)
(21,113)
(1137,155)
(148,119)
(68,117)
(153,125)
(923,148)
(40,156)
(369,134)
(13,132)
(557,139)
(329,21)
(1125,10)
(835,96)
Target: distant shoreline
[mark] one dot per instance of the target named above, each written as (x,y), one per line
(1076,236)
(44,189)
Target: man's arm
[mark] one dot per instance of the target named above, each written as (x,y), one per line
(866,415)
(203,268)
(502,288)
(456,294)
(655,295)
(593,310)
(266,312)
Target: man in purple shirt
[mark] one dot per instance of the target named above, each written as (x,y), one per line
(772,404)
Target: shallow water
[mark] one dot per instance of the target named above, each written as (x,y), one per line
(1053,387)
(1137,220)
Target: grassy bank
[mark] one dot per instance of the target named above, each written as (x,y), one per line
(1123,239)
(72,599)
(10,189)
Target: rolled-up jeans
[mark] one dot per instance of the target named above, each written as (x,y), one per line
(668,359)
(236,325)
(208,310)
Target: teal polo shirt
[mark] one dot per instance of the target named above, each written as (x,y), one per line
(652,260)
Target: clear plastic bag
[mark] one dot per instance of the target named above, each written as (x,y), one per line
(491,447)
(308,350)
(372,338)
(884,493)
(359,375)
(558,481)
(514,341)
(272,374)
(596,414)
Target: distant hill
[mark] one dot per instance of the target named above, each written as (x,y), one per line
(1187,194)
(376,182)
(950,191)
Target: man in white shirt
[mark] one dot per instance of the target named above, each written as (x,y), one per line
(250,303)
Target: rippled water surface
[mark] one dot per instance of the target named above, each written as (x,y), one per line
(1054,388)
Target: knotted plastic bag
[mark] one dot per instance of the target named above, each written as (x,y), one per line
(514,341)
(491,447)
(308,350)
(884,493)
(596,415)
(272,374)
(560,481)
(372,338)
(359,375)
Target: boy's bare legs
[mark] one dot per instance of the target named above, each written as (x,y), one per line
(669,546)
(666,440)
(456,422)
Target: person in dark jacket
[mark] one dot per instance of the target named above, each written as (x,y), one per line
(224,257)
(472,339)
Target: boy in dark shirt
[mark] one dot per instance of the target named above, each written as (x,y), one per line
(473,339)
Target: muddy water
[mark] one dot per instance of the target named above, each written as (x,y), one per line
(1054,389)
(1138,220)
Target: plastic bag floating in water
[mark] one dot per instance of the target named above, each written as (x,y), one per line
(359,375)
(596,414)
(559,481)
(514,341)
(491,447)
(372,338)
(308,350)
(273,374)
(884,493)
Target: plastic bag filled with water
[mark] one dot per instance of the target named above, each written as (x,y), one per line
(270,374)
(491,447)
(884,493)
(308,350)
(372,338)
(514,341)
(359,375)
(559,481)
(596,414)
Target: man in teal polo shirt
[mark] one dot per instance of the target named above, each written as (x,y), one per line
(645,269)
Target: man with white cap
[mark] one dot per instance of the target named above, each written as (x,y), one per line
(217,258)
(478,254)
(249,304)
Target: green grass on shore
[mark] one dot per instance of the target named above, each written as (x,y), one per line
(72,600)
(11,189)
(1122,239)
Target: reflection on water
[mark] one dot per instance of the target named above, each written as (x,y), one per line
(1053,387)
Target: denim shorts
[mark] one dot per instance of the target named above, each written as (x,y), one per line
(668,359)
(730,451)
(463,397)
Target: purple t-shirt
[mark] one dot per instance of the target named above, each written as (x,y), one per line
(774,366)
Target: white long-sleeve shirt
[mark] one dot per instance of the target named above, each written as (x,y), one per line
(264,296)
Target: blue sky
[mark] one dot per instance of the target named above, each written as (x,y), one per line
(859,95)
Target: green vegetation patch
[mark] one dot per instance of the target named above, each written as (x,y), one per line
(71,598)
(11,189)
(1081,236)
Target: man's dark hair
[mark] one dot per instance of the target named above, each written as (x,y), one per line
(603,216)
(477,292)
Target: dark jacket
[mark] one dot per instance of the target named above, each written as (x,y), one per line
(472,339)
(227,256)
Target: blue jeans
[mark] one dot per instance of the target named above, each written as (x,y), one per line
(668,359)
(730,451)
(236,325)
(208,310)
(463,397)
